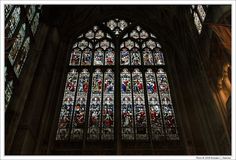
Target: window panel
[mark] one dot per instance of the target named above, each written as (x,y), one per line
(201,12)
(7,10)
(154,105)
(109,57)
(139,105)
(67,106)
(147,57)
(8,92)
(23,53)
(31,12)
(108,106)
(197,22)
(75,57)
(80,106)
(158,57)
(13,22)
(17,44)
(124,57)
(86,57)
(95,106)
(35,23)
(98,57)
(135,56)
(167,107)
(127,112)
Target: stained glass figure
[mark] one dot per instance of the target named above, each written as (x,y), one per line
(109,57)
(154,106)
(22,57)
(17,44)
(98,57)
(127,112)
(158,57)
(13,22)
(86,57)
(78,124)
(95,106)
(108,106)
(75,57)
(167,107)
(147,57)
(67,106)
(135,56)
(139,105)
(124,57)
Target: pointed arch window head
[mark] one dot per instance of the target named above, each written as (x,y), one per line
(92,94)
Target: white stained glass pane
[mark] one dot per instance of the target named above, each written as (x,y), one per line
(17,44)
(99,35)
(13,22)
(201,12)
(8,9)
(197,22)
(35,23)
(143,34)
(122,24)
(104,44)
(22,57)
(89,35)
(8,93)
(31,12)
(83,44)
(111,24)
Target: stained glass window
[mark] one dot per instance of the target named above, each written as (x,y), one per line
(199,15)
(144,87)
(19,20)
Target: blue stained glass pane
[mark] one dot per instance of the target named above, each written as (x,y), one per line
(124,57)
